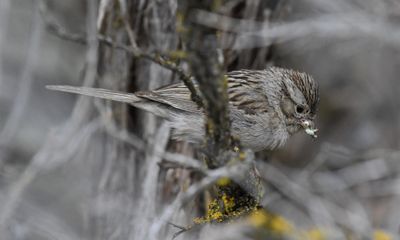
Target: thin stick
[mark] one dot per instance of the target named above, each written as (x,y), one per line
(56,29)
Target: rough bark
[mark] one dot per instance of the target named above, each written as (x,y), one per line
(124,170)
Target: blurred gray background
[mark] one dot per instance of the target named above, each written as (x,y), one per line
(350,47)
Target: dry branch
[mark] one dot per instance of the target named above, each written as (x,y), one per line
(206,65)
(163,60)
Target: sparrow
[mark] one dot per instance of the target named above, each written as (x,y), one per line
(266,107)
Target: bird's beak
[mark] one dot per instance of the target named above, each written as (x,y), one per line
(308,126)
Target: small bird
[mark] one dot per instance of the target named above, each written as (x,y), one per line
(266,106)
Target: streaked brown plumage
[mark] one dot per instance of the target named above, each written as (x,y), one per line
(266,106)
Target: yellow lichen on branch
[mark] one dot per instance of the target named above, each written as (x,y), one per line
(223,209)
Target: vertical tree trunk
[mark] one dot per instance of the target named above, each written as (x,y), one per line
(130,175)
(127,173)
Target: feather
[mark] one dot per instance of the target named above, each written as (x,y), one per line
(255,105)
(306,84)
(177,96)
(245,91)
(97,92)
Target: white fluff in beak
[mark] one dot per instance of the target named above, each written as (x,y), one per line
(309,128)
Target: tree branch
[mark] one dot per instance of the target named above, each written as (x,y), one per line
(56,29)
(206,66)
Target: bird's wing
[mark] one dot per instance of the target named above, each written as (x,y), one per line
(177,96)
(246,93)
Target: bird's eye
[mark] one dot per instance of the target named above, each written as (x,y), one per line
(299,109)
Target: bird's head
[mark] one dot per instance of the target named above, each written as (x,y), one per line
(299,101)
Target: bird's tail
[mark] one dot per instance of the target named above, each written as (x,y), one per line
(154,107)
(97,92)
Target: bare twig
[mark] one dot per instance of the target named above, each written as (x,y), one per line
(212,176)
(103,7)
(41,160)
(176,160)
(181,229)
(112,129)
(159,59)
(24,89)
(47,158)
(344,26)
(206,65)
(322,211)
(149,199)
(59,31)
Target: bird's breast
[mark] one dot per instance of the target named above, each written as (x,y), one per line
(259,132)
